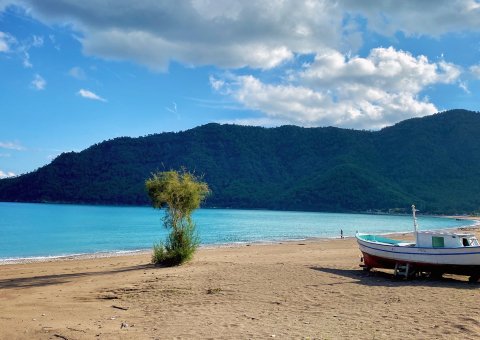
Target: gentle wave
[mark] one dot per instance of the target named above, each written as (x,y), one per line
(67,257)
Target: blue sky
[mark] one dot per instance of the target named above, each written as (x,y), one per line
(77,73)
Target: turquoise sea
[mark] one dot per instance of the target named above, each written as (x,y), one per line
(44,230)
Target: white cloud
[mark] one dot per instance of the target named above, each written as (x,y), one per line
(77,72)
(11,146)
(38,83)
(384,68)
(24,49)
(475,70)
(9,44)
(370,92)
(6,174)
(26,60)
(37,41)
(6,42)
(238,33)
(464,86)
(90,95)
(53,41)
(172,109)
(216,84)
(230,33)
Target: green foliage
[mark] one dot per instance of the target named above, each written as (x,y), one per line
(159,253)
(180,193)
(178,248)
(432,161)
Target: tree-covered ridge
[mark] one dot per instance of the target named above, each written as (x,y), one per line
(433,162)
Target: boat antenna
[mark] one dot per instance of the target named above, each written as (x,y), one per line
(415,225)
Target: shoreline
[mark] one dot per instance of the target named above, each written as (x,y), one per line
(29,252)
(124,253)
(70,257)
(121,253)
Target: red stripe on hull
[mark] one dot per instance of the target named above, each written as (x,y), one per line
(373,261)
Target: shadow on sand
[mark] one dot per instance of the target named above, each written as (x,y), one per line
(46,280)
(381,278)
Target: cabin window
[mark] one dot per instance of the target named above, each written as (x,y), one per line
(465,242)
(438,242)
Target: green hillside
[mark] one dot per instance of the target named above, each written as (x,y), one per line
(433,162)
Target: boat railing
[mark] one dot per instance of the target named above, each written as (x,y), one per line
(379,239)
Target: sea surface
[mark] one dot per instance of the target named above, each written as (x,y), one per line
(52,230)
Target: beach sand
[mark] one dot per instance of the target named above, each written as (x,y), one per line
(300,290)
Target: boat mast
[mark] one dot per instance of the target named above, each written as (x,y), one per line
(415,225)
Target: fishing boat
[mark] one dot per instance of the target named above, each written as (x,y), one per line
(432,252)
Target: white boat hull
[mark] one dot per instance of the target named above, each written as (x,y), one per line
(438,256)
(462,261)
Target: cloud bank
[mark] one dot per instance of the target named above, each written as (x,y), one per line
(248,38)
(237,33)
(370,92)
(6,174)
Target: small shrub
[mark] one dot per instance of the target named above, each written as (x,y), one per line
(178,248)
(159,254)
(179,193)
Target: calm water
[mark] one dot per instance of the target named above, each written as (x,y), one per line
(38,230)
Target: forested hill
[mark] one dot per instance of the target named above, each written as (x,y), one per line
(433,162)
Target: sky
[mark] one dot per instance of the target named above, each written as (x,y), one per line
(75,73)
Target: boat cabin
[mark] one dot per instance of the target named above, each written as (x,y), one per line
(438,239)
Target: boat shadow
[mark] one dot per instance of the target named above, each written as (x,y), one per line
(384,278)
(54,279)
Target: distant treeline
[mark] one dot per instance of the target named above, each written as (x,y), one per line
(433,162)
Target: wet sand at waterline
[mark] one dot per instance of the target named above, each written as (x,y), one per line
(308,289)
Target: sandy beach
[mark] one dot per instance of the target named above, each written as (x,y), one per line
(301,290)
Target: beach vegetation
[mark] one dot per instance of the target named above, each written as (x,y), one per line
(178,193)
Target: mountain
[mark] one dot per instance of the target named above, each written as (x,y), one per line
(432,161)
